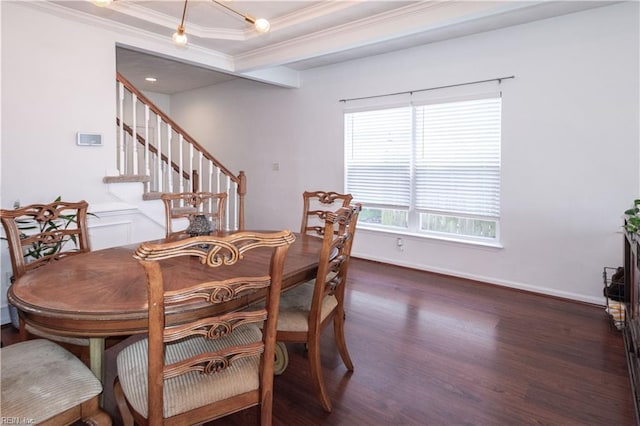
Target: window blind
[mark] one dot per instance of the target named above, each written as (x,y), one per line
(378,151)
(457,163)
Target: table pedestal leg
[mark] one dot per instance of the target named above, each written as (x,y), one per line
(96,356)
(96,359)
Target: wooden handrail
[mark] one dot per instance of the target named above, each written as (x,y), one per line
(175,126)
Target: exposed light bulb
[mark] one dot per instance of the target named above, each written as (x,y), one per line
(180,38)
(262,25)
(102,3)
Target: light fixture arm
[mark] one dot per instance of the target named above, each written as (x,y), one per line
(261,25)
(184,14)
(233,10)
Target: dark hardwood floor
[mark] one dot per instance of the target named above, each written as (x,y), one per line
(435,350)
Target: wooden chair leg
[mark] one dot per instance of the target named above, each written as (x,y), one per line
(22,330)
(341,342)
(121,401)
(92,414)
(266,412)
(316,374)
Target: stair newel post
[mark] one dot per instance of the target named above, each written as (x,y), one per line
(242,190)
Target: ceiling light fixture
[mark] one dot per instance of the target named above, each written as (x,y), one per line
(151,79)
(179,37)
(260,24)
(102,3)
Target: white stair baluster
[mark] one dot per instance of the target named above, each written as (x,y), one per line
(134,131)
(147,170)
(121,129)
(169,171)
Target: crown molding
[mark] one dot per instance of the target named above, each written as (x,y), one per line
(402,22)
(381,27)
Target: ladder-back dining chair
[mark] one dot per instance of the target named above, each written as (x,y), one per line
(38,234)
(205,368)
(316,205)
(44,384)
(306,310)
(184,206)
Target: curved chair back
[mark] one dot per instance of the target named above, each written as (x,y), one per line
(39,233)
(184,206)
(316,205)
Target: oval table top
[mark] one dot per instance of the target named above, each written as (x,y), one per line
(104,292)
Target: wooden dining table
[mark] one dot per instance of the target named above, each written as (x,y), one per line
(103,293)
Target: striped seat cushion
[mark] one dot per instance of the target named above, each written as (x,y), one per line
(191,390)
(295,305)
(41,379)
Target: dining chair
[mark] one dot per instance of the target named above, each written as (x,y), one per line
(44,384)
(219,363)
(184,206)
(316,205)
(38,234)
(307,309)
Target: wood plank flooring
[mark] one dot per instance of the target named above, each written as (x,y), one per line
(435,350)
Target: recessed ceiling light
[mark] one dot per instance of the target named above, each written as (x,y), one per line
(152,79)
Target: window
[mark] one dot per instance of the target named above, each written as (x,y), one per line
(431,169)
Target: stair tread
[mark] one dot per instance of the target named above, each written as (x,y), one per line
(126,178)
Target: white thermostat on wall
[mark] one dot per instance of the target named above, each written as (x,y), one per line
(89,139)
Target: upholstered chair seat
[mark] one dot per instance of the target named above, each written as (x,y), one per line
(295,306)
(42,380)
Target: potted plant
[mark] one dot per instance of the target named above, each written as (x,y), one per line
(632,218)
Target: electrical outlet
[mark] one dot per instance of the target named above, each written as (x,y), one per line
(16,204)
(400,244)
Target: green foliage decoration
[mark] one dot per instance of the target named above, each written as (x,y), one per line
(632,218)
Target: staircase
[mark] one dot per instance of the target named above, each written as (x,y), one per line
(154,151)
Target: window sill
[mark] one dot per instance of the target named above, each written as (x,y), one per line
(477,243)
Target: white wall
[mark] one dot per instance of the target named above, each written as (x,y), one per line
(570,144)
(53,85)
(570,153)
